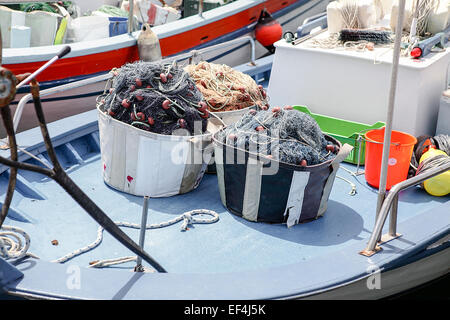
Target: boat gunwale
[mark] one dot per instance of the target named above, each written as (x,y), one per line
(180,282)
(41,53)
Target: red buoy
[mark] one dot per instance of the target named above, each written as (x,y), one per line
(268,30)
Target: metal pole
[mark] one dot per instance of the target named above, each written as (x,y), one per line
(1,47)
(138,267)
(393,217)
(390,112)
(130,16)
(376,233)
(200,8)
(58,56)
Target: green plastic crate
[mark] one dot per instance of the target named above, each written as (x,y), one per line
(344,131)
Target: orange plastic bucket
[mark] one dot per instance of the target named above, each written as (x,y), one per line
(400,151)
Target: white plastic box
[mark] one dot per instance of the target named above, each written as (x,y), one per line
(8,19)
(354,86)
(43,27)
(443,123)
(20,37)
(87,28)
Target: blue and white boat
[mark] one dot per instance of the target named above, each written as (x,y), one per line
(334,257)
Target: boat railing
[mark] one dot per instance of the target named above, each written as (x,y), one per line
(76,84)
(314,17)
(390,204)
(304,32)
(309,24)
(191,54)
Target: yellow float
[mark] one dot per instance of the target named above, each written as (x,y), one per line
(439,185)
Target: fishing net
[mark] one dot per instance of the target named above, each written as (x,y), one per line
(374,36)
(440,142)
(43,6)
(282,134)
(226,89)
(155,97)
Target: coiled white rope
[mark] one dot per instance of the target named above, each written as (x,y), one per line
(349,14)
(186,217)
(423,10)
(11,244)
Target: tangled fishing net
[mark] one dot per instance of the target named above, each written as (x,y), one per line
(284,134)
(226,89)
(155,97)
(424,142)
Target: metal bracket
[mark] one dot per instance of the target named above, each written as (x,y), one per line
(369,253)
(388,237)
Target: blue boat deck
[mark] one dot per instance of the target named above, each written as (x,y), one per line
(208,261)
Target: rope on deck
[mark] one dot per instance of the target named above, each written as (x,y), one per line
(187,218)
(11,245)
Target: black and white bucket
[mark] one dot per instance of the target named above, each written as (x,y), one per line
(286,193)
(225,118)
(144,163)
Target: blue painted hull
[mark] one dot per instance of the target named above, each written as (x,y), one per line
(236,258)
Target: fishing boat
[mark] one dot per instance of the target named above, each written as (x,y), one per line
(348,253)
(94,57)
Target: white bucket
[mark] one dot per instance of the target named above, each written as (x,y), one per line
(144,163)
(232,116)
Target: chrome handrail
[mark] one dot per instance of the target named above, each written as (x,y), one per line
(314,17)
(27,98)
(391,202)
(192,53)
